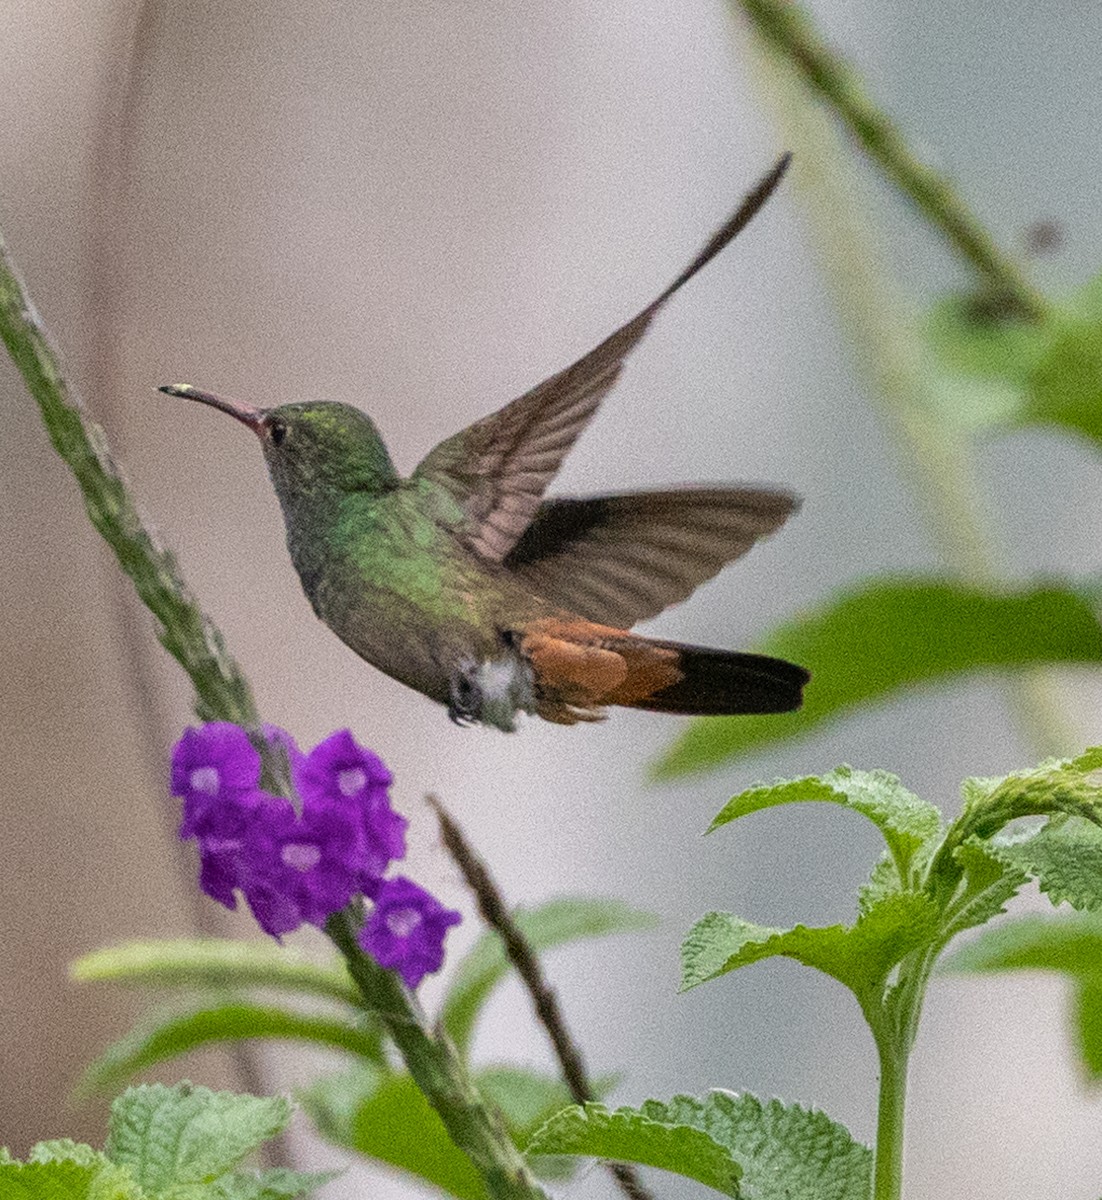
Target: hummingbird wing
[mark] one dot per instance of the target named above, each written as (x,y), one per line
(619,559)
(498,468)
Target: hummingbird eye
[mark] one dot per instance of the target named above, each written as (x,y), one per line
(277,431)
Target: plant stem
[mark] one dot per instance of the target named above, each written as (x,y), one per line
(887,1176)
(788,28)
(223,694)
(883,332)
(518,950)
(438,1071)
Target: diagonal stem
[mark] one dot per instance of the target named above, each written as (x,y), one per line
(518,950)
(789,29)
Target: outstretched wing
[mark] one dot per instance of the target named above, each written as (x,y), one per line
(497,469)
(619,559)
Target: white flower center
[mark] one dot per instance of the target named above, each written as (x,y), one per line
(402,921)
(301,855)
(350,781)
(205,780)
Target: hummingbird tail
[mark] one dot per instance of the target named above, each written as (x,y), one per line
(727,683)
(580,667)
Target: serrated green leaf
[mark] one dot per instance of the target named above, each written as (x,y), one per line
(173,1136)
(1066,861)
(907,823)
(171,1034)
(552,924)
(277,1184)
(859,956)
(387,1117)
(627,1135)
(989,883)
(876,639)
(216,963)
(786,1152)
(67,1180)
(1071,945)
(66,1150)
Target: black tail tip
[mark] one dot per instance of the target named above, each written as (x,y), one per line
(718,683)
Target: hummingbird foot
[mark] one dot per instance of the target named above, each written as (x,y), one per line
(490,693)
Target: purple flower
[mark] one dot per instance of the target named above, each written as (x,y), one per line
(405,931)
(341,771)
(212,767)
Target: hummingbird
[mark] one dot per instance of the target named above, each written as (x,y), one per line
(464,583)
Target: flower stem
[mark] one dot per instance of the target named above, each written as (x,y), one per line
(223,694)
(438,1071)
(788,28)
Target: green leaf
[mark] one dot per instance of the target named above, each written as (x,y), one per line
(173,1034)
(1071,945)
(859,956)
(786,1152)
(907,823)
(216,963)
(61,1179)
(278,1184)
(171,1137)
(387,1117)
(550,925)
(880,637)
(1066,861)
(627,1135)
(66,1150)
(989,882)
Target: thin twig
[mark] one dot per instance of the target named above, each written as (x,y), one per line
(789,28)
(518,950)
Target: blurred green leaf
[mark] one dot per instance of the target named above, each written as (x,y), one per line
(387,1117)
(277,1184)
(880,637)
(550,925)
(68,1180)
(169,1035)
(1070,945)
(216,962)
(627,1135)
(859,956)
(170,1137)
(907,823)
(786,1152)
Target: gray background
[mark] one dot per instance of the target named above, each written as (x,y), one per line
(424,209)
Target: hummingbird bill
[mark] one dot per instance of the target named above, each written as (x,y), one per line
(463,582)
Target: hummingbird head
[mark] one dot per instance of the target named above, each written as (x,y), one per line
(310,447)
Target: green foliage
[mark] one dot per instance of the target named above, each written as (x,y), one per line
(859,956)
(171,1034)
(178,1143)
(217,963)
(630,1135)
(875,639)
(1070,945)
(786,1152)
(1066,861)
(386,1117)
(907,823)
(550,925)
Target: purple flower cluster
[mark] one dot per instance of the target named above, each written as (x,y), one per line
(299,868)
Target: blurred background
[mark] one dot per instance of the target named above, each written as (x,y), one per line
(423,209)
